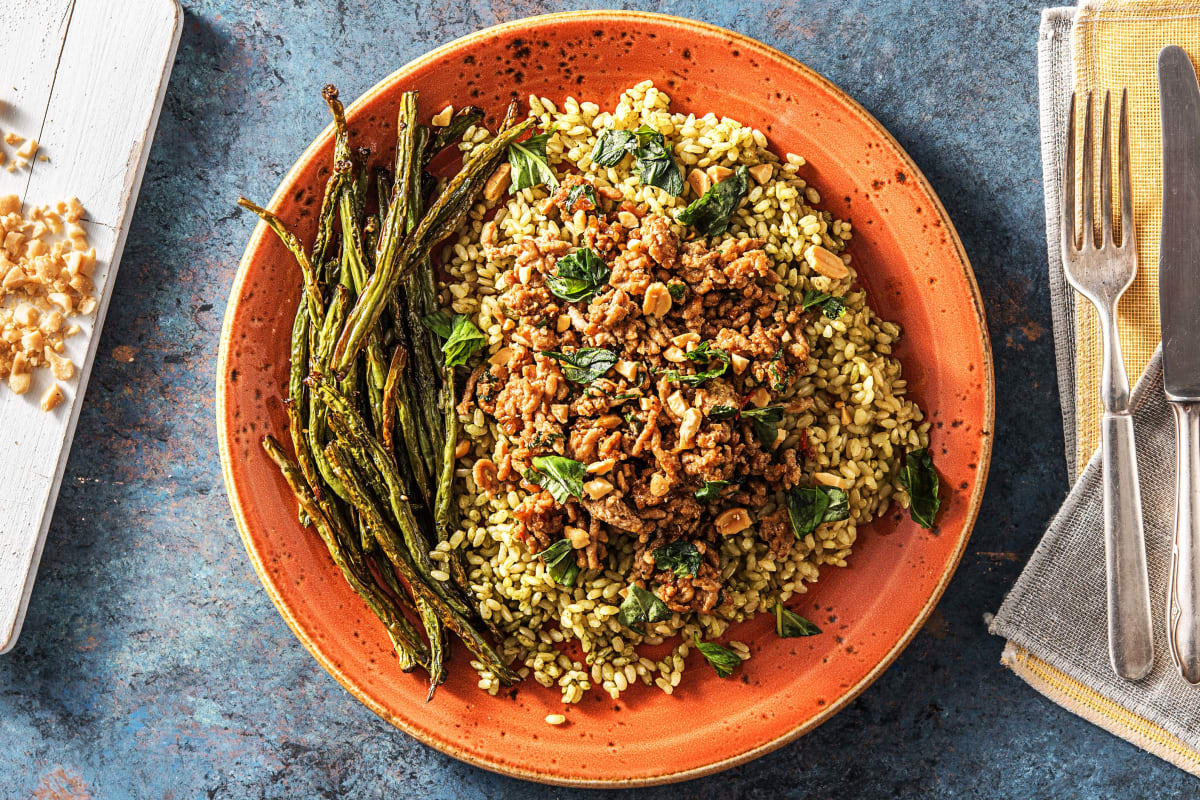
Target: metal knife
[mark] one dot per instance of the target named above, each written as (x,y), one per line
(1179,305)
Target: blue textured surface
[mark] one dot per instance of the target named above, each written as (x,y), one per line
(153,664)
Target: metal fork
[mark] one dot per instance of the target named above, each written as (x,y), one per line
(1101,271)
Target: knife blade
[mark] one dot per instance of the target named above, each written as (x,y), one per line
(1179,253)
(1179,305)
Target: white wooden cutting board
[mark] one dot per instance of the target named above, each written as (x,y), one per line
(86,78)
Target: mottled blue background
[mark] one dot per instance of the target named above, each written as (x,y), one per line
(153,664)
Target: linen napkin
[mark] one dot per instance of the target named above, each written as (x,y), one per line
(1055,618)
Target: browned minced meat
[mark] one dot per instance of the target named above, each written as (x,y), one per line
(648,439)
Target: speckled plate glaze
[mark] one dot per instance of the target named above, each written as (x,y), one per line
(916,273)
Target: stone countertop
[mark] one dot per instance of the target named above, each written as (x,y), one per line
(152,663)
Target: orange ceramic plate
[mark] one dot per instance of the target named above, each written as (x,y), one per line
(916,273)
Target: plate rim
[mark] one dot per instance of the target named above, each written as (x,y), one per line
(973,505)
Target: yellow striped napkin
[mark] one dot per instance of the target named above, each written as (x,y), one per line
(1115,45)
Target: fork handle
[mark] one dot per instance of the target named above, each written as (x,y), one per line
(1183,607)
(1130,623)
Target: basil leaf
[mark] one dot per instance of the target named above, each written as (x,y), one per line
(711,490)
(780,376)
(562,477)
(654,163)
(789,625)
(766,422)
(580,190)
(920,480)
(440,322)
(723,661)
(585,364)
(809,506)
(709,214)
(560,561)
(465,340)
(612,146)
(621,398)
(718,413)
(702,352)
(677,290)
(578,276)
(680,557)
(834,307)
(641,606)
(813,298)
(543,439)
(706,352)
(529,165)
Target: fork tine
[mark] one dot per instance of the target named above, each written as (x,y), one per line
(1089,184)
(1127,235)
(1106,205)
(1069,239)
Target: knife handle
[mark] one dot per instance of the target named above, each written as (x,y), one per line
(1130,623)
(1183,608)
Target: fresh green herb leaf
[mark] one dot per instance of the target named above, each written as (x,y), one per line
(580,190)
(641,606)
(541,439)
(703,352)
(584,365)
(780,373)
(709,214)
(578,276)
(680,557)
(711,490)
(560,561)
(465,340)
(440,322)
(766,422)
(718,413)
(706,352)
(834,307)
(789,625)
(529,165)
(623,396)
(723,661)
(810,506)
(920,480)
(612,146)
(813,298)
(562,477)
(655,164)
(677,291)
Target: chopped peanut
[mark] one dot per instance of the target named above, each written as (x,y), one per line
(689,427)
(698,181)
(826,263)
(739,363)
(657,301)
(498,184)
(731,521)
(45,277)
(716,174)
(597,488)
(578,537)
(52,397)
(443,117)
(762,173)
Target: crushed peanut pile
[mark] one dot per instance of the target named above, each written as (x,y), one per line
(46,269)
(24,151)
